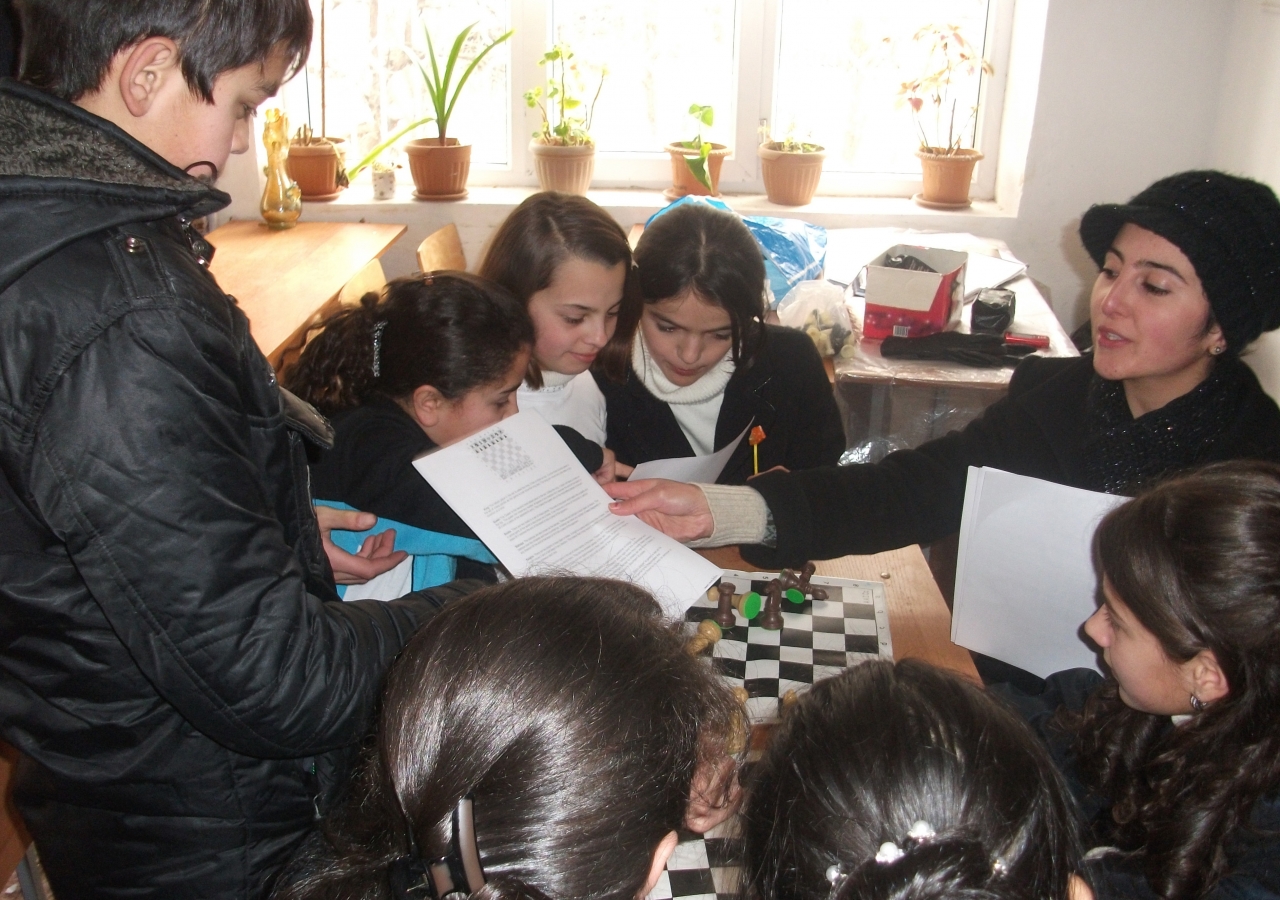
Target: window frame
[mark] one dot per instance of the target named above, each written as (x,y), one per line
(757,37)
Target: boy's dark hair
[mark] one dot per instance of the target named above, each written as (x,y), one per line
(1197,561)
(571,712)
(865,755)
(544,231)
(68,45)
(450,330)
(696,246)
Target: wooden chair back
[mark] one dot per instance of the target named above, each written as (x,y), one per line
(442,249)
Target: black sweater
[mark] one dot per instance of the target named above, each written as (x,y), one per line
(785,390)
(917,496)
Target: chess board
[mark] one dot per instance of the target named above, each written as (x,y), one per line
(818,639)
(703,867)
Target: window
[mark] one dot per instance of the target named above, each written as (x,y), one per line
(827,71)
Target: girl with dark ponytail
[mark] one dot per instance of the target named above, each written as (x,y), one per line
(902,782)
(438,357)
(536,739)
(1178,748)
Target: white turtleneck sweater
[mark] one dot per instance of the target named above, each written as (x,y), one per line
(695,406)
(571,400)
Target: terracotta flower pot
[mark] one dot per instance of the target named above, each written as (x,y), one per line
(315,168)
(790,178)
(947,177)
(683,181)
(565,169)
(439,171)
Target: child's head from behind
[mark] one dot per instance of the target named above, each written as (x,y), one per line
(573,716)
(182,76)
(864,756)
(701,276)
(449,347)
(1191,581)
(569,262)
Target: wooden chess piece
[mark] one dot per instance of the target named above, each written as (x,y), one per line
(749,605)
(771,616)
(708,633)
(791,589)
(813,591)
(724,611)
(789,699)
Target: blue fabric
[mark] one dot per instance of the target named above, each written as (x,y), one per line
(794,251)
(435,555)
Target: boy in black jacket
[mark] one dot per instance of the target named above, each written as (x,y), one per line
(176,667)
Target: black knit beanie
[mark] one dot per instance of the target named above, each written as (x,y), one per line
(1228,227)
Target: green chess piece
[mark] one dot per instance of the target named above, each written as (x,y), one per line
(749,605)
(795,596)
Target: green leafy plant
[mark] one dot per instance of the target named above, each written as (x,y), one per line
(560,126)
(702,115)
(441,90)
(789,144)
(950,62)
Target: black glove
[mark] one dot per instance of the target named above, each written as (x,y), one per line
(982,351)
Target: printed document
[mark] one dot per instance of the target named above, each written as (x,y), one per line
(690,469)
(524,493)
(1024,575)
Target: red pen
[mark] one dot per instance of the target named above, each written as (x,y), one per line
(1039,341)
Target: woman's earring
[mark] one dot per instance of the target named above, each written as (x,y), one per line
(1217,351)
(1197,704)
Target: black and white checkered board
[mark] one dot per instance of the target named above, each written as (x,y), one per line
(818,639)
(703,867)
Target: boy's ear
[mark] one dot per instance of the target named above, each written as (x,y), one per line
(661,856)
(1209,682)
(427,403)
(147,67)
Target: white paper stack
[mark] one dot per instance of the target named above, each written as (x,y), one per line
(1024,576)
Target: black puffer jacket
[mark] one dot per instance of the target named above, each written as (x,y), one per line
(173,658)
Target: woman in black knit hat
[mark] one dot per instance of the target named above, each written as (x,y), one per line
(1190,277)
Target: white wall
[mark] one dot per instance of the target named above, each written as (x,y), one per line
(1247,136)
(1129,91)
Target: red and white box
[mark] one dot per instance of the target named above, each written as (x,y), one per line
(905,303)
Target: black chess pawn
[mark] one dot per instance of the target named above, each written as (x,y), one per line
(771,615)
(724,611)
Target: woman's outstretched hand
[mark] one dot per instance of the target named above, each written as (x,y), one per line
(677,510)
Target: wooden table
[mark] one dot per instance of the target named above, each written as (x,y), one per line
(285,280)
(919,621)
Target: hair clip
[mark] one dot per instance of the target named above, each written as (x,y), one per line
(920,832)
(834,875)
(889,852)
(459,873)
(998,868)
(378,328)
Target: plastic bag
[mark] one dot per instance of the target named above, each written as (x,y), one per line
(818,309)
(794,251)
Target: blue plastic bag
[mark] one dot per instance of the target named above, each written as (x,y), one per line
(794,251)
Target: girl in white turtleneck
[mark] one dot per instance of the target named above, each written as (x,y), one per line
(701,365)
(569,261)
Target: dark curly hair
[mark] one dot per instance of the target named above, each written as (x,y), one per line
(573,714)
(1197,561)
(450,330)
(865,755)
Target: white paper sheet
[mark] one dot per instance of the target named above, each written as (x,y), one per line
(1024,575)
(524,494)
(702,469)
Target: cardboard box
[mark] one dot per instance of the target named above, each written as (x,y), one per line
(903,303)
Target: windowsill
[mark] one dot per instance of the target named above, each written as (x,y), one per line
(824,210)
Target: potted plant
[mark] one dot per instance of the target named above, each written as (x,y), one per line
(564,155)
(791,170)
(315,163)
(695,164)
(946,164)
(440,165)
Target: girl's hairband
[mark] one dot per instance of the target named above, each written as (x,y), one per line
(920,832)
(453,876)
(378,328)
